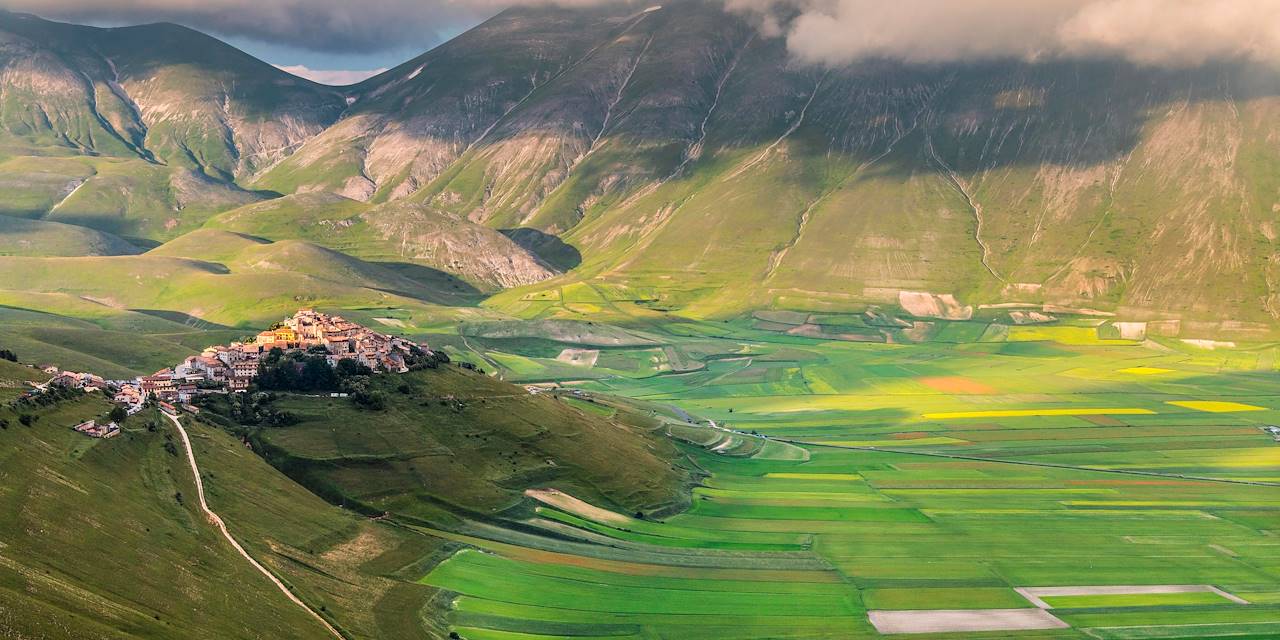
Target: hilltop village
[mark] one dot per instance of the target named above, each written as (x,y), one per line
(233,367)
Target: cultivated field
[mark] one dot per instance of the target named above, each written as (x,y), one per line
(982,485)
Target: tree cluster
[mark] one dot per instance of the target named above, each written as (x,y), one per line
(52,395)
(258,409)
(420,358)
(295,371)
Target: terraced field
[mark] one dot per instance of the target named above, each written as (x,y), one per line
(923,487)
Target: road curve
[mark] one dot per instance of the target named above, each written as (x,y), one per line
(217,521)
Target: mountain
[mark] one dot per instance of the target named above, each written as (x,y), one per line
(674,156)
(160,121)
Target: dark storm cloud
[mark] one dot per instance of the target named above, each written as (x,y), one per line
(1157,32)
(351,26)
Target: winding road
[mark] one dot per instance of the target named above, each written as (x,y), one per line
(217,521)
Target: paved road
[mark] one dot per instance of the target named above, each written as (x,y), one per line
(217,521)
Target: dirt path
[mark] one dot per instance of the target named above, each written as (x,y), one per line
(217,521)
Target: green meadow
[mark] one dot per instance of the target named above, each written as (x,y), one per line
(845,476)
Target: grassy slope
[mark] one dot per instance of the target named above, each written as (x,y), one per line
(40,238)
(362,573)
(97,545)
(463,442)
(254,294)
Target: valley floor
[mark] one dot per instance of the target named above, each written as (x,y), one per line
(946,486)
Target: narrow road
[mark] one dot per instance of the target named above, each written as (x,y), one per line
(217,521)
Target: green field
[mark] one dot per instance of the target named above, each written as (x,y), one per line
(940,475)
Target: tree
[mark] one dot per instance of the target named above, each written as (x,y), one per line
(371,400)
(6,354)
(118,414)
(317,374)
(27,419)
(348,368)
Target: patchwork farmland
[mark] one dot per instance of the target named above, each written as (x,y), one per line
(997,485)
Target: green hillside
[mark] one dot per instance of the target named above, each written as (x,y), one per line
(72,497)
(453,445)
(99,543)
(40,238)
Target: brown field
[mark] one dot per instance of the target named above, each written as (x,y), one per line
(957,384)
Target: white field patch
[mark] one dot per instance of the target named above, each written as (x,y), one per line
(390,322)
(579,357)
(565,502)
(962,620)
(1210,345)
(1035,595)
(922,304)
(1132,330)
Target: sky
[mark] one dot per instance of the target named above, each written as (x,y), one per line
(333,41)
(343,41)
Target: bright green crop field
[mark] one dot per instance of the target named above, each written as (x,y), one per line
(845,477)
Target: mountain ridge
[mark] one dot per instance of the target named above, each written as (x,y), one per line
(675,148)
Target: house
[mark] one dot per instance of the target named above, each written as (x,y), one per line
(238,383)
(92,429)
(128,394)
(338,345)
(73,380)
(209,367)
(245,369)
(159,382)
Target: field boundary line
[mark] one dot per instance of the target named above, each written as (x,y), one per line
(222,526)
(1026,463)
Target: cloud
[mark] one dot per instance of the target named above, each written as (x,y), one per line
(1148,32)
(334,77)
(1151,32)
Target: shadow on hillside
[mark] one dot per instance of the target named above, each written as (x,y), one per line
(182,319)
(548,248)
(438,287)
